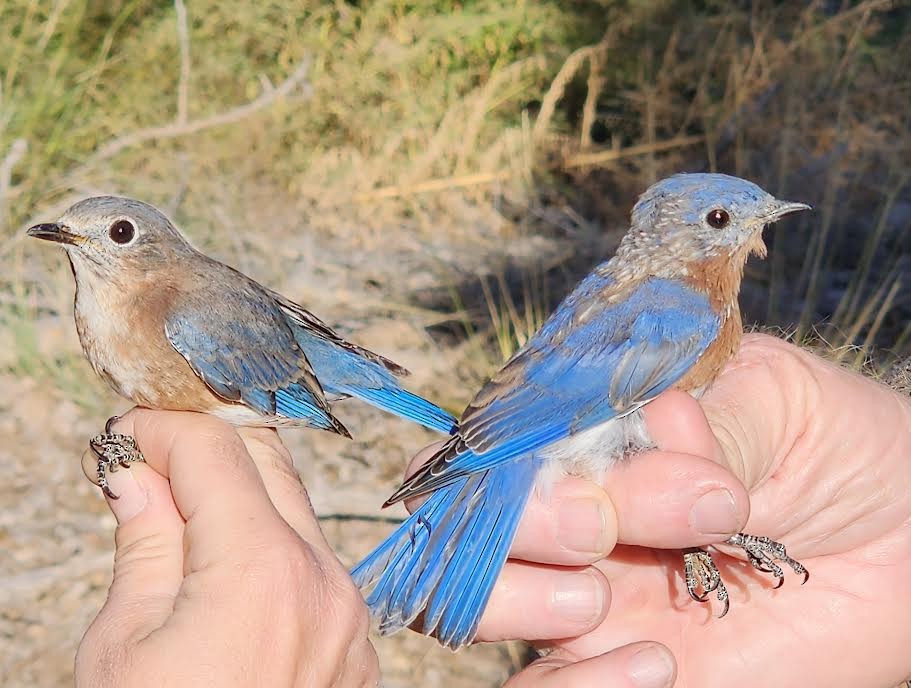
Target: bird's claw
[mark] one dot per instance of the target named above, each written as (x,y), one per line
(702,574)
(109,425)
(113,451)
(763,554)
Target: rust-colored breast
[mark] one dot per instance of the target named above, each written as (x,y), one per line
(719,278)
(122,333)
(719,352)
(170,383)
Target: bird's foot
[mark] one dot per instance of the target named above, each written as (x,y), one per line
(763,553)
(113,451)
(702,574)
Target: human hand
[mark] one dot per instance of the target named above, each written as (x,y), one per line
(824,455)
(221,575)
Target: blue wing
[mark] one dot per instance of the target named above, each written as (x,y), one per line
(243,350)
(595,358)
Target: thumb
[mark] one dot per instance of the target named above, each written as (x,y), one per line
(148,562)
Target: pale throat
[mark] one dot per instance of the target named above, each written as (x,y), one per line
(104,322)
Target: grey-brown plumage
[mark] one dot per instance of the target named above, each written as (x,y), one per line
(169,327)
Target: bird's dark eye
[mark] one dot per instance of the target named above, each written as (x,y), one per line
(122,232)
(718,218)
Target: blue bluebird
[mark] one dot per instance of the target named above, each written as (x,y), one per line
(661,314)
(170,328)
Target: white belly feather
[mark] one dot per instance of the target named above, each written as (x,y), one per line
(589,454)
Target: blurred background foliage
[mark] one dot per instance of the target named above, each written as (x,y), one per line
(555,114)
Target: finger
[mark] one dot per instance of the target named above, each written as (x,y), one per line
(663,499)
(639,665)
(535,602)
(656,499)
(215,483)
(283,483)
(573,523)
(760,403)
(677,423)
(669,500)
(148,562)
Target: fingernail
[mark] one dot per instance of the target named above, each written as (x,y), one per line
(651,667)
(581,525)
(714,513)
(578,597)
(131,495)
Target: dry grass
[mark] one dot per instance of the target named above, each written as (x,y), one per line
(431,177)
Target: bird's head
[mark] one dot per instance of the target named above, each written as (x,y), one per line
(111,237)
(691,217)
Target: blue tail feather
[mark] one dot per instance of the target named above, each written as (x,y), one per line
(459,618)
(427,564)
(343,371)
(391,555)
(401,552)
(454,573)
(402,403)
(445,558)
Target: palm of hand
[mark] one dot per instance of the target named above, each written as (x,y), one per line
(827,477)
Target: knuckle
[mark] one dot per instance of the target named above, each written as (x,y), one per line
(276,568)
(139,552)
(342,602)
(287,561)
(266,439)
(362,665)
(349,608)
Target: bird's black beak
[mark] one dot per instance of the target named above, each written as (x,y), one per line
(54,232)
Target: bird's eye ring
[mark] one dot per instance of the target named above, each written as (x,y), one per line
(718,218)
(122,232)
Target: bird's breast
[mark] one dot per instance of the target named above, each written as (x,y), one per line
(123,337)
(719,279)
(708,366)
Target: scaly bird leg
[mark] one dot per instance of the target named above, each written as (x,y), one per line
(763,553)
(113,450)
(702,574)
